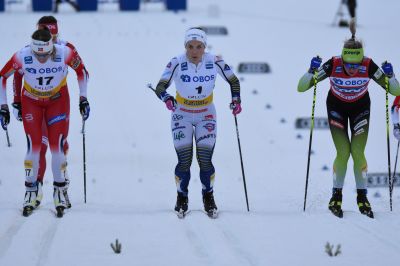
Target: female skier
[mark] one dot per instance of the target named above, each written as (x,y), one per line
(193,113)
(348,105)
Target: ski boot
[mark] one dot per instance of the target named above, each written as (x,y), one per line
(363,204)
(59,198)
(209,205)
(30,198)
(39,196)
(66,193)
(181,206)
(335,203)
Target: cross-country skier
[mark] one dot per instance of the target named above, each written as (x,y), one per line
(50,23)
(348,105)
(193,113)
(44,66)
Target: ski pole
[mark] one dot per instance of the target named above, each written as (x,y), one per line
(388,140)
(311,134)
(150,87)
(84,158)
(241,163)
(8,139)
(395,164)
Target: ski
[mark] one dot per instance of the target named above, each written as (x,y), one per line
(213,214)
(337,212)
(370,214)
(60,211)
(181,213)
(27,211)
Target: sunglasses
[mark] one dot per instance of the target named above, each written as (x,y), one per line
(352,66)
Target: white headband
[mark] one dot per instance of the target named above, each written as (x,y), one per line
(196,35)
(41,47)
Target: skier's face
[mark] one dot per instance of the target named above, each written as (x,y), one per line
(42,58)
(351,69)
(194,51)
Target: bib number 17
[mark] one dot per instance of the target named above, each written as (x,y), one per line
(46,79)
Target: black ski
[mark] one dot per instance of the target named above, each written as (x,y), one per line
(337,212)
(370,214)
(28,210)
(213,214)
(181,213)
(60,211)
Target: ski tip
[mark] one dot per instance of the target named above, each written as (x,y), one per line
(59,212)
(181,213)
(212,214)
(28,210)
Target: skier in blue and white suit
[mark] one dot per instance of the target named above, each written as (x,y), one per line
(193,113)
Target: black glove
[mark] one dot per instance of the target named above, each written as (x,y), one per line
(17,111)
(4,116)
(84,108)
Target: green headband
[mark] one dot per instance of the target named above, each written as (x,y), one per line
(352,55)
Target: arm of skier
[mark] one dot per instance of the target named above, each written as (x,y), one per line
(73,60)
(75,52)
(324,71)
(11,66)
(165,82)
(380,76)
(225,71)
(17,88)
(9,69)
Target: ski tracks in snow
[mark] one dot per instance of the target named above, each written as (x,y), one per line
(375,232)
(41,226)
(215,244)
(7,238)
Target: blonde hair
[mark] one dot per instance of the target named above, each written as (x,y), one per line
(353,43)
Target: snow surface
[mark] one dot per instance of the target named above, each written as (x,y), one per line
(130,155)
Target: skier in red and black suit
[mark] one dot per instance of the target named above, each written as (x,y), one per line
(44,97)
(51,24)
(348,104)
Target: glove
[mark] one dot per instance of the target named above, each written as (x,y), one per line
(84,108)
(387,69)
(235,106)
(170,102)
(315,64)
(17,111)
(396,131)
(4,116)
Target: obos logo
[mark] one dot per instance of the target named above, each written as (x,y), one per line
(186,78)
(50,70)
(31,70)
(337,81)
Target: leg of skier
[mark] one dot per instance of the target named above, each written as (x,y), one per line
(338,123)
(359,123)
(32,115)
(206,134)
(182,133)
(42,162)
(57,116)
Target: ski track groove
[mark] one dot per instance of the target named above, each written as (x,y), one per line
(7,238)
(243,256)
(47,240)
(200,250)
(381,239)
(232,243)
